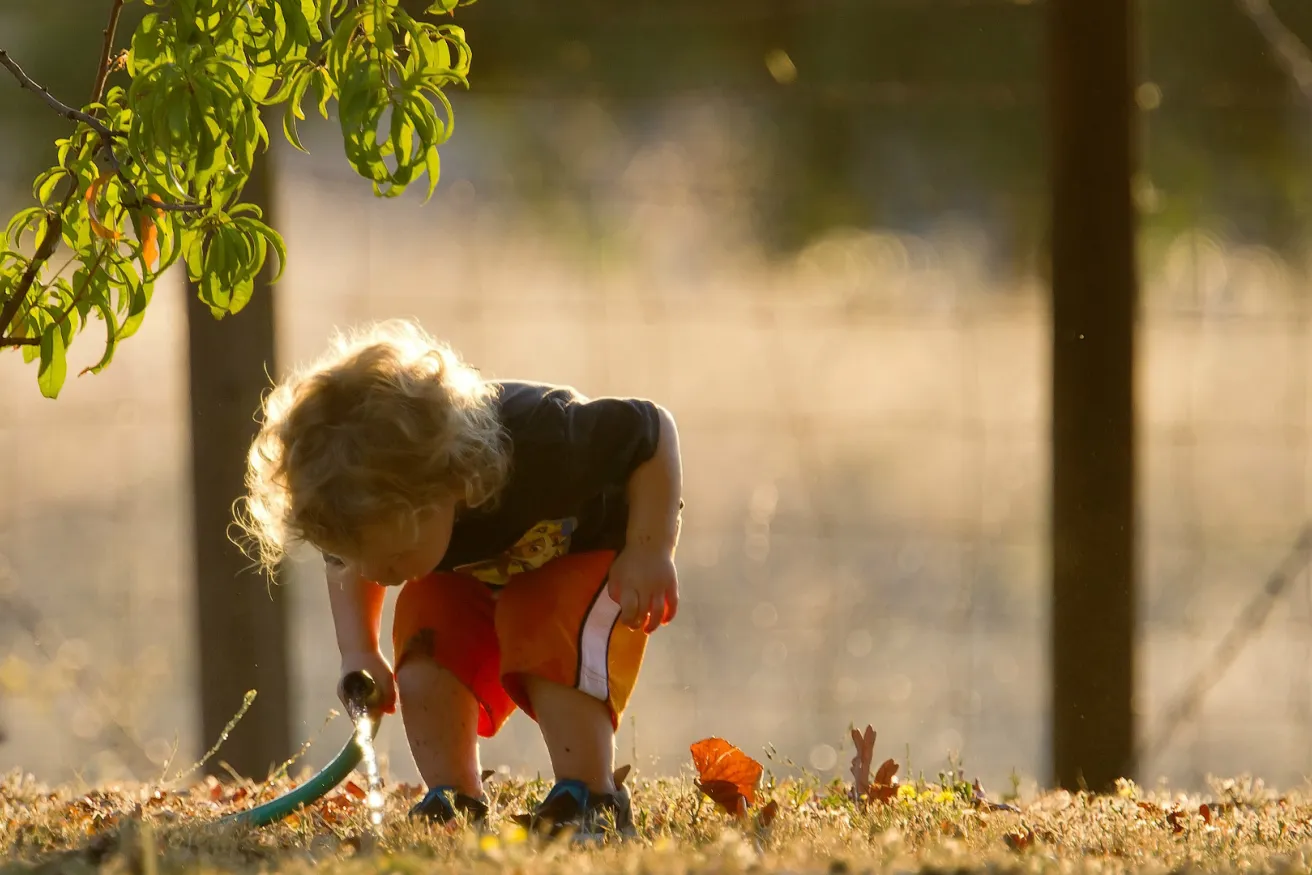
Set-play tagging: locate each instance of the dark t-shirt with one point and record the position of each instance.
(570, 465)
(571, 458)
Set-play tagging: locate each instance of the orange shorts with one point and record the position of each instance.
(556, 622)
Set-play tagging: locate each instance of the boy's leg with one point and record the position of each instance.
(448, 682)
(569, 663)
(441, 725)
(577, 730)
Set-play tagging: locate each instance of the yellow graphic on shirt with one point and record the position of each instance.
(540, 544)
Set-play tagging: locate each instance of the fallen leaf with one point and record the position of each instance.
(766, 815)
(1206, 811)
(883, 787)
(863, 760)
(1019, 840)
(354, 790)
(1174, 819)
(726, 774)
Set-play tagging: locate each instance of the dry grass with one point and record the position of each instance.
(938, 826)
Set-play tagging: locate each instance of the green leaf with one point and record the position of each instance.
(293, 110)
(137, 304)
(433, 167)
(53, 369)
(30, 219)
(325, 88)
(106, 314)
(44, 186)
(193, 252)
(260, 236)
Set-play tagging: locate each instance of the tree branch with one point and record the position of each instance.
(106, 51)
(46, 248)
(86, 286)
(54, 223)
(63, 109)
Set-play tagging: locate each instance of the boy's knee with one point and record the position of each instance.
(418, 649)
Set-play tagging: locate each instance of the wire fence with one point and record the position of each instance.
(865, 435)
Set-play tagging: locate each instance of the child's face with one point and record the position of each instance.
(393, 552)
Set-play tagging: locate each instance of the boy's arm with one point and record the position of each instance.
(655, 492)
(643, 579)
(357, 606)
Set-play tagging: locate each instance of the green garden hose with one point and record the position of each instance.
(361, 699)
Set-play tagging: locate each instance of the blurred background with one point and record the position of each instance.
(815, 231)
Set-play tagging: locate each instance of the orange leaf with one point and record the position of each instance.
(354, 789)
(97, 228)
(149, 237)
(1206, 811)
(726, 774)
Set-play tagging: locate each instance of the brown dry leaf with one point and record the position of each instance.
(1175, 817)
(1020, 839)
(1206, 811)
(863, 789)
(354, 790)
(863, 760)
(884, 789)
(726, 774)
(766, 815)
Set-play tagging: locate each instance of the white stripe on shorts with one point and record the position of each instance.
(594, 646)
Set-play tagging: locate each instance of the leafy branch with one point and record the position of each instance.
(153, 171)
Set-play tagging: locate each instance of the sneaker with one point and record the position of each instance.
(442, 805)
(586, 815)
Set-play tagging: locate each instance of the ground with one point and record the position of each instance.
(945, 825)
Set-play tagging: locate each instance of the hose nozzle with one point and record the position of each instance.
(360, 693)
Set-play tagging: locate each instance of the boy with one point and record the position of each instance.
(532, 532)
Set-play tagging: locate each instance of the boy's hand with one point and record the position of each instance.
(376, 664)
(644, 582)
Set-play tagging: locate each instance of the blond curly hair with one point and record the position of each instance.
(385, 424)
